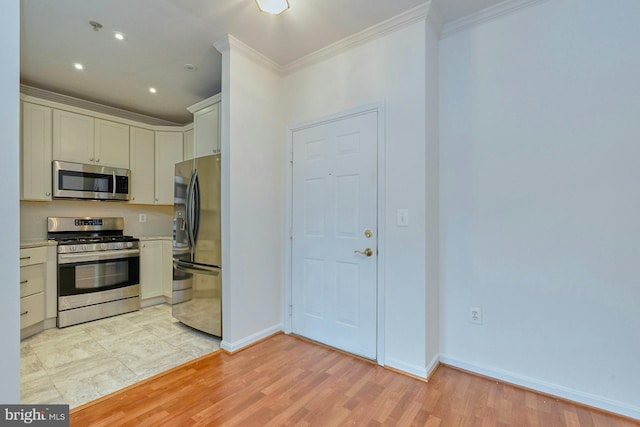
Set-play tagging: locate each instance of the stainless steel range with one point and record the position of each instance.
(98, 268)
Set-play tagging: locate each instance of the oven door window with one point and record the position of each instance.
(96, 276)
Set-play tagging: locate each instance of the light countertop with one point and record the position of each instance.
(144, 238)
(35, 244)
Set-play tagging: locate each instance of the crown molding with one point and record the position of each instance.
(435, 18)
(485, 15)
(230, 43)
(398, 22)
(93, 106)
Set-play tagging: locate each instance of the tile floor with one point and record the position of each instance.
(80, 363)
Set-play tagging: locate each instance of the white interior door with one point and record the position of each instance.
(334, 215)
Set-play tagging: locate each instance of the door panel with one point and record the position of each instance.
(334, 289)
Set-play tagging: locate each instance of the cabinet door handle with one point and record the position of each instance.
(47, 194)
(91, 159)
(25, 312)
(24, 257)
(97, 160)
(23, 282)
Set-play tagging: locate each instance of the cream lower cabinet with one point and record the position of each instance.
(168, 153)
(38, 289)
(33, 278)
(156, 271)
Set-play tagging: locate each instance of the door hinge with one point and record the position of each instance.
(291, 157)
(290, 310)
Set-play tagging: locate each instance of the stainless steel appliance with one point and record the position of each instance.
(80, 181)
(98, 268)
(197, 256)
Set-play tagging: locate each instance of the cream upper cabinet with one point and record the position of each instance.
(142, 155)
(111, 144)
(36, 152)
(168, 153)
(206, 126)
(83, 139)
(72, 137)
(187, 151)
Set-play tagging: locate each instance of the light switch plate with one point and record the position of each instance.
(142, 218)
(403, 218)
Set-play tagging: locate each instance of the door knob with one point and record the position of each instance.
(367, 252)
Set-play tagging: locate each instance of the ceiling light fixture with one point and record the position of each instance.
(274, 7)
(96, 25)
(119, 36)
(152, 90)
(78, 66)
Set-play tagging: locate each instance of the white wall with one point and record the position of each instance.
(253, 198)
(540, 199)
(432, 200)
(390, 69)
(9, 209)
(33, 217)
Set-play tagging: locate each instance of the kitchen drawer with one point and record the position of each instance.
(31, 310)
(32, 256)
(32, 278)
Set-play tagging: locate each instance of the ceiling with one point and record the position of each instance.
(164, 35)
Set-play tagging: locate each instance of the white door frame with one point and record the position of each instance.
(288, 284)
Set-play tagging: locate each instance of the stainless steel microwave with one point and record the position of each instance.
(82, 181)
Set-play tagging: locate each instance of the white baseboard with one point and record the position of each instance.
(418, 371)
(152, 301)
(546, 387)
(251, 339)
(433, 365)
(415, 370)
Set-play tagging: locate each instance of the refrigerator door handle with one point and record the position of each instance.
(189, 212)
(194, 268)
(195, 207)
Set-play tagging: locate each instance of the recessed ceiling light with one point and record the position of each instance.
(78, 66)
(274, 7)
(152, 90)
(190, 67)
(119, 35)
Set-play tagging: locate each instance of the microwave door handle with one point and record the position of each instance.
(113, 192)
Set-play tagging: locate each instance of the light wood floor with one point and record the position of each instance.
(286, 381)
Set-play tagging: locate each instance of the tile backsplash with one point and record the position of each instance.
(33, 217)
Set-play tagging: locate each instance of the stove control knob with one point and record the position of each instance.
(85, 247)
(129, 244)
(103, 246)
(119, 245)
(72, 248)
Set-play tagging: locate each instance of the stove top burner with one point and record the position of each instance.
(95, 239)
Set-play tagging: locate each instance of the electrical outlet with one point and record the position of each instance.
(475, 315)
(142, 218)
(402, 218)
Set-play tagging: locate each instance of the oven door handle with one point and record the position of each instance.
(195, 268)
(97, 256)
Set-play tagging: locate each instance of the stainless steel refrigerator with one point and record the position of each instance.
(197, 285)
